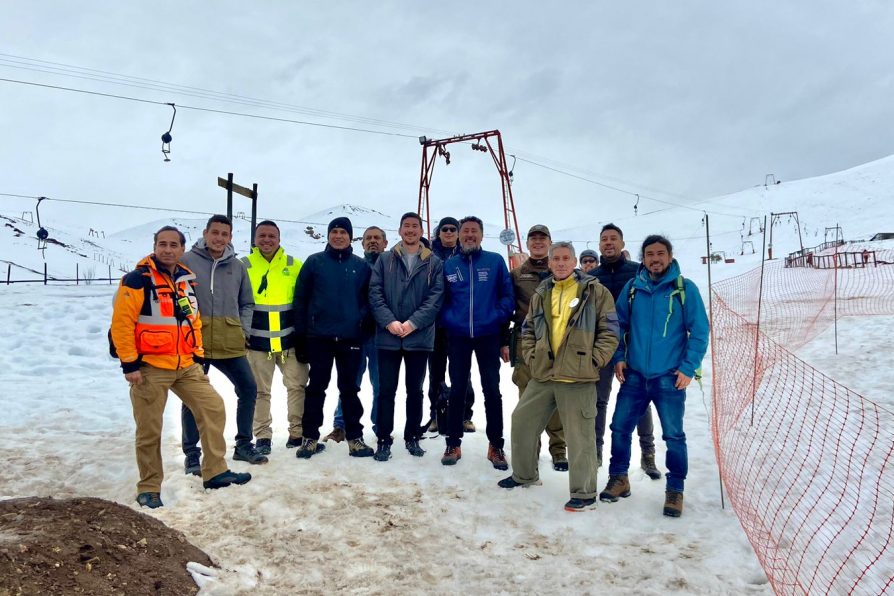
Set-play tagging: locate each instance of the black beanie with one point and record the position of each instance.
(341, 222)
(448, 221)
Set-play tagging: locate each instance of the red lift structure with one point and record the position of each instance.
(487, 142)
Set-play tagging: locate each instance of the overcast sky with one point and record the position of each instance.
(678, 100)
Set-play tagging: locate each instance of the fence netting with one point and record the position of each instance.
(808, 464)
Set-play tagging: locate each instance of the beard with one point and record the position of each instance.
(470, 250)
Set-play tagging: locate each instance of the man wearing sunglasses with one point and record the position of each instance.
(271, 342)
(589, 260)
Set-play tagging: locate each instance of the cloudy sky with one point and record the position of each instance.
(678, 101)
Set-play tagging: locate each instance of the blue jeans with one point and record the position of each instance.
(238, 372)
(369, 353)
(670, 404)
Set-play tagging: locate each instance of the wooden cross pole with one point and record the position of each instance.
(251, 193)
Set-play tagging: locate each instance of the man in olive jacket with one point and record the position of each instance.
(570, 333)
(225, 300)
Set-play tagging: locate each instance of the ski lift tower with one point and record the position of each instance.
(487, 142)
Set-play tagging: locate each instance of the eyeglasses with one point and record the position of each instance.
(448, 229)
(587, 261)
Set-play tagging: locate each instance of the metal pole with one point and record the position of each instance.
(44, 274)
(77, 278)
(230, 196)
(254, 212)
(835, 300)
(770, 254)
(713, 365)
(8, 272)
(757, 328)
(110, 275)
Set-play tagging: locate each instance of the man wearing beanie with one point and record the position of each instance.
(331, 314)
(589, 260)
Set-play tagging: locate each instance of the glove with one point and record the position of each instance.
(205, 364)
(301, 349)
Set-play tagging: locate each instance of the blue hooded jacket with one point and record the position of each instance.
(478, 296)
(645, 345)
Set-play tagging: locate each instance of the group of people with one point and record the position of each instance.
(566, 327)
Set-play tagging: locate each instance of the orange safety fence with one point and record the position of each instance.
(807, 463)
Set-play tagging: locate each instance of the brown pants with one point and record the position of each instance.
(149, 399)
(521, 376)
(294, 377)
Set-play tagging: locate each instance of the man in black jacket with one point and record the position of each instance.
(331, 313)
(614, 272)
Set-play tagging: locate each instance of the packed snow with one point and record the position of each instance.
(409, 525)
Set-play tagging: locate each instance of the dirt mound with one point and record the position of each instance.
(90, 546)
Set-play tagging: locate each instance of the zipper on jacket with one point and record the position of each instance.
(471, 300)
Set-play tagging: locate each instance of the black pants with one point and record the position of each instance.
(487, 353)
(321, 353)
(644, 426)
(437, 370)
(414, 376)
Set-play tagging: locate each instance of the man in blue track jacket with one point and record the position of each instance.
(478, 302)
(664, 338)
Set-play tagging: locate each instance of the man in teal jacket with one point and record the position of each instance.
(664, 338)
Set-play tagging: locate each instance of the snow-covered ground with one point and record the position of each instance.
(409, 525)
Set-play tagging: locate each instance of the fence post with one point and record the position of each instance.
(77, 278)
(44, 274)
(757, 329)
(8, 272)
(835, 299)
(713, 365)
(110, 275)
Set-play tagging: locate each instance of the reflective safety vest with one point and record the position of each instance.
(165, 325)
(273, 283)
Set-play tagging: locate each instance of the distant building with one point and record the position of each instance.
(883, 236)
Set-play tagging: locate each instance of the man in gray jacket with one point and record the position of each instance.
(405, 293)
(225, 300)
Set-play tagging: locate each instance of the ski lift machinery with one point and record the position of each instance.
(490, 142)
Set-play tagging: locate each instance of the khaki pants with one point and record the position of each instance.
(294, 375)
(521, 376)
(576, 403)
(149, 399)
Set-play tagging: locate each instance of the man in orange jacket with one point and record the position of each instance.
(157, 334)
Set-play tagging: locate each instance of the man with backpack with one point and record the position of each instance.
(664, 338)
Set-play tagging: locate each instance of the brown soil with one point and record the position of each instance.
(90, 546)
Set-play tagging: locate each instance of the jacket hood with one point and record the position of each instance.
(201, 249)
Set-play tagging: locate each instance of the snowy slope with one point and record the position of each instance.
(408, 525)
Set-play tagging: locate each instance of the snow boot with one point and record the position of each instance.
(575, 505)
(647, 462)
(150, 500)
(497, 457)
(337, 435)
(226, 479)
(383, 451)
(249, 454)
(264, 446)
(451, 455)
(511, 483)
(293, 442)
(357, 448)
(414, 448)
(192, 464)
(618, 486)
(673, 503)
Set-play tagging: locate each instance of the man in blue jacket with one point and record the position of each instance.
(478, 302)
(405, 294)
(664, 338)
(331, 312)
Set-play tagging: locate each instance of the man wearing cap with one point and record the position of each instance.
(589, 260)
(525, 280)
(614, 272)
(331, 316)
(445, 245)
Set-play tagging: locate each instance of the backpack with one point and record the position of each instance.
(680, 293)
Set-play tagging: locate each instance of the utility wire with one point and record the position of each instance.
(203, 109)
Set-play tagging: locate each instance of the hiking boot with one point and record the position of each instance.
(264, 446)
(647, 462)
(292, 442)
(673, 503)
(249, 454)
(357, 448)
(433, 426)
(497, 457)
(468, 426)
(575, 505)
(226, 479)
(511, 482)
(150, 500)
(337, 435)
(451, 455)
(414, 448)
(560, 464)
(383, 452)
(191, 465)
(618, 486)
(308, 449)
